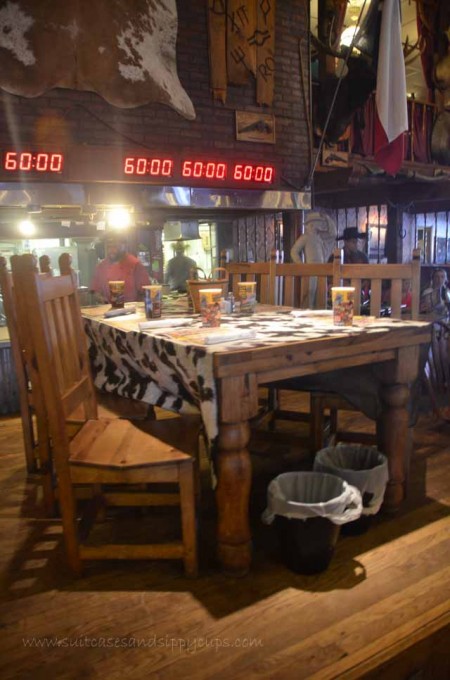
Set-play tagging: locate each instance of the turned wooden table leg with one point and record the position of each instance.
(392, 427)
(232, 496)
(238, 400)
(393, 440)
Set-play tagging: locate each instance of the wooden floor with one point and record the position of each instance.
(381, 610)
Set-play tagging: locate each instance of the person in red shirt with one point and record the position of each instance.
(119, 265)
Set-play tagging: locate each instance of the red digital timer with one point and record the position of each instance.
(155, 167)
(199, 169)
(240, 172)
(28, 161)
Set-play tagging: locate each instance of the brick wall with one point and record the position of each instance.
(83, 118)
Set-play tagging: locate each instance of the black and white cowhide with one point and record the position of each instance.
(125, 51)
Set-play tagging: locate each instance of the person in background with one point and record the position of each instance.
(179, 268)
(406, 301)
(45, 265)
(435, 298)
(406, 294)
(119, 265)
(352, 255)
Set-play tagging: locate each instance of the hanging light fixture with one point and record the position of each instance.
(118, 218)
(26, 228)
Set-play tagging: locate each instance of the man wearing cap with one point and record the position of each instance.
(179, 268)
(351, 253)
(119, 265)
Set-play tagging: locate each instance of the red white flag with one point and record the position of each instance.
(391, 119)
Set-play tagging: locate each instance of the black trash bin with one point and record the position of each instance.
(308, 509)
(363, 467)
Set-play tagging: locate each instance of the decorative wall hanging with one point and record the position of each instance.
(255, 127)
(242, 46)
(332, 157)
(123, 51)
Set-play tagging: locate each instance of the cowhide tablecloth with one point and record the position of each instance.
(166, 368)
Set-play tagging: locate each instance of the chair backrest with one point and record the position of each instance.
(303, 285)
(20, 361)
(392, 275)
(56, 337)
(292, 284)
(306, 285)
(250, 271)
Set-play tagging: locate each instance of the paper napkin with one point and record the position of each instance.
(164, 323)
(119, 312)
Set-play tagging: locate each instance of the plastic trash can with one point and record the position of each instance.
(308, 509)
(363, 467)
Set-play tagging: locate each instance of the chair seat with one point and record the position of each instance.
(122, 444)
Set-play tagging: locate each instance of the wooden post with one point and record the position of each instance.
(393, 248)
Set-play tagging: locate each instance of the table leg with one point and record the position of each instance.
(232, 497)
(393, 438)
(238, 399)
(392, 426)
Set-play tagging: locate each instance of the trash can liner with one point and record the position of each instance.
(361, 466)
(302, 495)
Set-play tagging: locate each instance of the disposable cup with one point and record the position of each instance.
(343, 302)
(247, 296)
(210, 306)
(117, 294)
(152, 301)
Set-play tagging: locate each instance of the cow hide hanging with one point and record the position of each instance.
(122, 49)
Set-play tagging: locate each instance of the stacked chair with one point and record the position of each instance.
(116, 459)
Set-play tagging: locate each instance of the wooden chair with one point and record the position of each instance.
(34, 421)
(105, 452)
(354, 275)
(37, 445)
(26, 411)
(437, 371)
(292, 285)
(113, 404)
(288, 284)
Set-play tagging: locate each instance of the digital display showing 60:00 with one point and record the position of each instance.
(199, 169)
(157, 167)
(27, 161)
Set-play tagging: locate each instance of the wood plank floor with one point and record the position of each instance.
(381, 610)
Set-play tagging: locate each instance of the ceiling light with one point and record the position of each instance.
(27, 228)
(118, 218)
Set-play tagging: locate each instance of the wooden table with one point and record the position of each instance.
(238, 369)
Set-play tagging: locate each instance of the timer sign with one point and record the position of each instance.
(208, 169)
(240, 172)
(155, 167)
(197, 169)
(27, 161)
